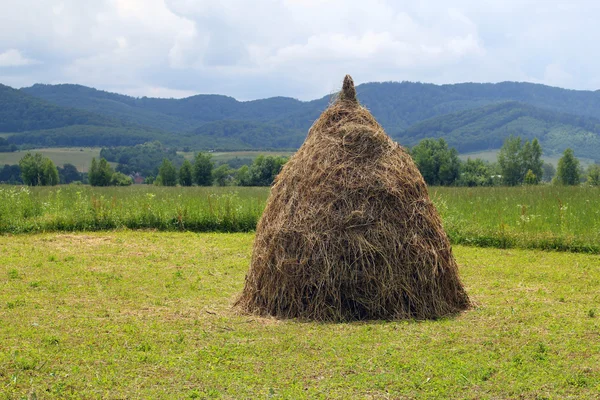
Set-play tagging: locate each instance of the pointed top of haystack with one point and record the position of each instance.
(348, 92)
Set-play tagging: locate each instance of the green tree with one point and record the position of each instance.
(185, 174)
(105, 172)
(203, 167)
(100, 173)
(516, 158)
(438, 163)
(530, 178)
(93, 173)
(511, 162)
(120, 179)
(263, 170)
(38, 170)
(532, 161)
(567, 172)
(31, 169)
(242, 176)
(222, 175)
(11, 174)
(475, 173)
(167, 174)
(593, 175)
(69, 173)
(49, 173)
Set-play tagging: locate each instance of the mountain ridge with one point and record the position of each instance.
(404, 109)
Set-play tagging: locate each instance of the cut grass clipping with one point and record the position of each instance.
(349, 231)
(147, 315)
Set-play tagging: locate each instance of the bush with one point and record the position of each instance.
(120, 179)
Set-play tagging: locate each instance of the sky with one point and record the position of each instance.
(296, 48)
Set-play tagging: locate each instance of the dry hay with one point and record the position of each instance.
(349, 231)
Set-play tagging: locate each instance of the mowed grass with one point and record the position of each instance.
(133, 314)
(80, 157)
(543, 217)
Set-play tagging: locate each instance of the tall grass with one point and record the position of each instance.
(83, 208)
(546, 217)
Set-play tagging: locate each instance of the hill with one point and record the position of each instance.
(471, 116)
(487, 127)
(406, 103)
(21, 112)
(246, 135)
(124, 108)
(177, 115)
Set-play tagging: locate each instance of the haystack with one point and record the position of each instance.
(349, 231)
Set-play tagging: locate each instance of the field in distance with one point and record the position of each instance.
(224, 156)
(133, 314)
(80, 157)
(492, 156)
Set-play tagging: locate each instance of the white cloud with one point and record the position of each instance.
(299, 48)
(555, 75)
(153, 91)
(14, 58)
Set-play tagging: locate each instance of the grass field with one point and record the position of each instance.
(81, 157)
(84, 208)
(545, 217)
(132, 314)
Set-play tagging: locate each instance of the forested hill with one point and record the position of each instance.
(406, 103)
(475, 116)
(486, 128)
(113, 105)
(177, 115)
(21, 112)
(35, 122)
(397, 105)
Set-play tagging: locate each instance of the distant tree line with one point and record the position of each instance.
(6, 147)
(37, 170)
(518, 163)
(144, 159)
(203, 172)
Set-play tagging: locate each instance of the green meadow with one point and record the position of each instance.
(543, 217)
(80, 157)
(138, 314)
(126, 292)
